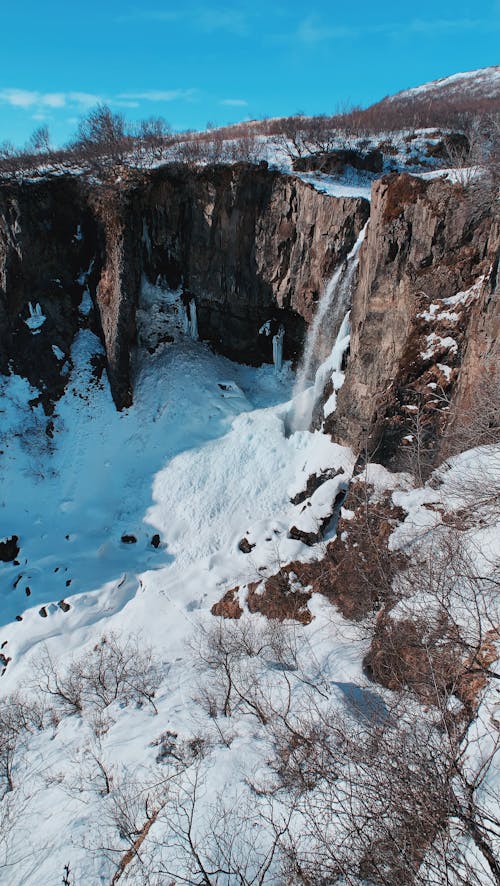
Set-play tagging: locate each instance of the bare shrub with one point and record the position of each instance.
(478, 422)
(115, 669)
(230, 652)
(19, 718)
(441, 642)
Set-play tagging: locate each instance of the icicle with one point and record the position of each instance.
(185, 319)
(36, 318)
(146, 239)
(278, 349)
(193, 320)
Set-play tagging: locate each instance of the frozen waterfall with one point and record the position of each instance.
(193, 320)
(278, 348)
(319, 358)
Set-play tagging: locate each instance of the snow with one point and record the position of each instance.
(327, 184)
(320, 505)
(435, 313)
(437, 344)
(203, 457)
(60, 355)
(446, 370)
(483, 80)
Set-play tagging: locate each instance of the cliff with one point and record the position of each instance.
(247, 243)
(252, 245)
(47, 238)
(424, 322)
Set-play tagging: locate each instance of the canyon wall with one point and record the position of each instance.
(248, 244)
(419, 352)
(251, 245)
(47, 237)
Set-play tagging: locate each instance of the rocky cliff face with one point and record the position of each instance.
(47, 238)
(422, 320)
(251, 245)
(248, 245)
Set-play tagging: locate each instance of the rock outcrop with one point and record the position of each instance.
(251, 245)
(424, 307)
(47, 238)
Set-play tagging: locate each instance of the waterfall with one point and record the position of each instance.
(333, 305)
(193, 320)
(278, 349)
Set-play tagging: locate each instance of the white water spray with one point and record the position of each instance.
(334, 304)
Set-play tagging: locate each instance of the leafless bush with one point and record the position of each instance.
(19, 718)
(478, 423)
(441, 643)
(123, 670)
(230, 651)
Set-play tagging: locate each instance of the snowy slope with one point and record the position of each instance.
(482, 83)
(202, 458)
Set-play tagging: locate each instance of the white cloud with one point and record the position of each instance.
(197, 17)
(27, 98)
(158, 95)
(84, 99)
(76, 102)
(312, 31)
(19, 98)
(54, 100)
(234, 102)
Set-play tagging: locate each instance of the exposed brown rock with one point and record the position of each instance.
(276, 598)
(245, 546)
(228, 606)
(334, 162)
(426, 241)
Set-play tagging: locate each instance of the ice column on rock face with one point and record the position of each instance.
(193, 320)
(185, 319)
(36, 318)
(146, 239)
(334, 302)
(278, 349)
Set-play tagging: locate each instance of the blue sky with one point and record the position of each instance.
(193, 62)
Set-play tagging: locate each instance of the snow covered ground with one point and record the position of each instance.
(202, 458)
